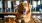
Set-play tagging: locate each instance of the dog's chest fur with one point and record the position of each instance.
(26, 18)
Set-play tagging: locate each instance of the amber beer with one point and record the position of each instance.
(9, 19)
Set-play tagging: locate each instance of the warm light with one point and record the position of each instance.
(5, 22)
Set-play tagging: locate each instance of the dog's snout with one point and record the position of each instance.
(24, 10)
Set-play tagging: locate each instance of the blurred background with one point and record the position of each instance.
(10, 6)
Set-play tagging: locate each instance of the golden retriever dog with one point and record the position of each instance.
(24, 10)
(24, 13)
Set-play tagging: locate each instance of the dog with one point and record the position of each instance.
(24, 13)
(24, 10)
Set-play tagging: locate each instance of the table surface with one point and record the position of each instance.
(16, 12)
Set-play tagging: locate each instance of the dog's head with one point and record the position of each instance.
(24, 7)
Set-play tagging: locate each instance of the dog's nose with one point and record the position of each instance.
(24, 9)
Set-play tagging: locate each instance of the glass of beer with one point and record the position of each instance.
(9, 19)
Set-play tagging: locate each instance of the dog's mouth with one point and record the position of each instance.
(24, 11)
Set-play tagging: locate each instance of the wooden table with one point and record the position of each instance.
(16, 12)
(8, 12)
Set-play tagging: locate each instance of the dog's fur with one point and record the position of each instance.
(21, 7)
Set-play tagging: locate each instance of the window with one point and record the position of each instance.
(9, 4)
(38, 2)
(17, 2)
(34, 4)
(0, 6)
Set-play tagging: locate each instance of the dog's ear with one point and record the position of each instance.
(30, 5)
(20, 5)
